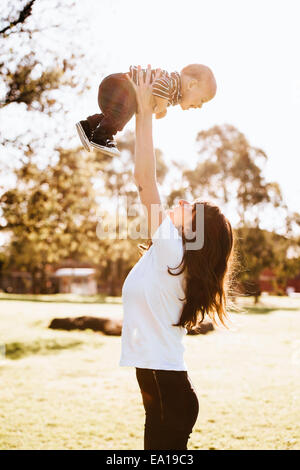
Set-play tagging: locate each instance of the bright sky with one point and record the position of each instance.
(251, 45)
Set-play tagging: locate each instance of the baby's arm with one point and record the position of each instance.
(159, 106)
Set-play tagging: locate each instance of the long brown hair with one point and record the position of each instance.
(209, 271)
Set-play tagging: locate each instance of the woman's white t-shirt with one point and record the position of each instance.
(151, 303)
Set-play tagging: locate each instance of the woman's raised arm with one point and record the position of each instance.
(145, 161)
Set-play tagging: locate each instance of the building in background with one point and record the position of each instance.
(81, 281)
(293, 285)
(68, 277)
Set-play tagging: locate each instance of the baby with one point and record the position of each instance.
(190, 88)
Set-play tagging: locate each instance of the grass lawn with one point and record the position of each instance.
(65, 390)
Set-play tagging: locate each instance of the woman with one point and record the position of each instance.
(169, 290)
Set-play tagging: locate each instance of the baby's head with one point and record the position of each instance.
(198, 85)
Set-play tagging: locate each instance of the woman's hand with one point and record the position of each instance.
(143, 91)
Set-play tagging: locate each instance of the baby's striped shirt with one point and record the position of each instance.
(167, 86)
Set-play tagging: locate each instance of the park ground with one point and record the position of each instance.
(65, 390)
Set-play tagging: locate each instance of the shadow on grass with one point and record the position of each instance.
(17, 350)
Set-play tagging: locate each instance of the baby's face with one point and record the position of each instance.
(194, 94)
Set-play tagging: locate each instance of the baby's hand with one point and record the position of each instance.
(161, 115)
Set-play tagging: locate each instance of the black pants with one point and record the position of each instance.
(171, 407)
(117, 101)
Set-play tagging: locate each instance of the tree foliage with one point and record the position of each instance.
(15, 17)
(52, 214)
(230, 169)
(31, 68)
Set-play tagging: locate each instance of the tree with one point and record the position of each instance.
(51, 215)
(230, 169)
(286, 262)
(30, 68)
(255, 254)
(15, 18)
(259, 249)
(37, 76)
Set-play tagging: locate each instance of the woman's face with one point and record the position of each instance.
(181, 215)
